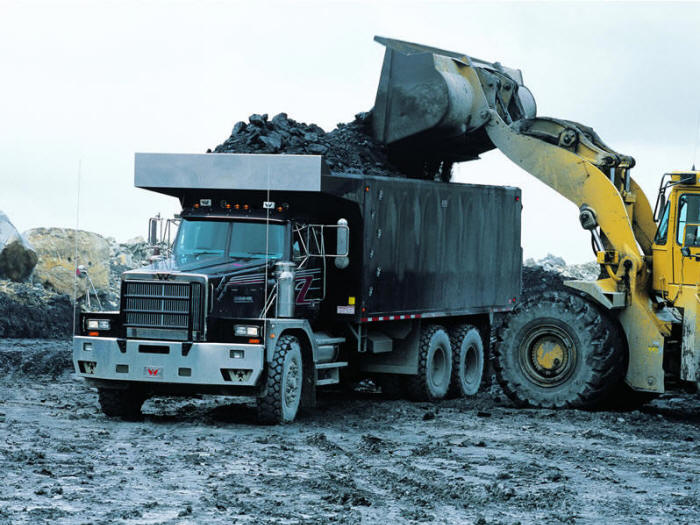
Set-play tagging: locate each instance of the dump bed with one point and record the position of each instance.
(435, 248)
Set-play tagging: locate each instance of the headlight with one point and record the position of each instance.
(246, 330)
(99, 324)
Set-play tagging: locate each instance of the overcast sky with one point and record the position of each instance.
(90, 83)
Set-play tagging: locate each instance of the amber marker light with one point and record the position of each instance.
(93, 334)
(245, 206)
(254, 341)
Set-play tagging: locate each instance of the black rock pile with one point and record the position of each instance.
(349, 148)
(29, 310)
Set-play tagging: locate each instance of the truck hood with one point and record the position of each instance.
(211, 268)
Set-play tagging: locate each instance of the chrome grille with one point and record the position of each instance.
(163, 305)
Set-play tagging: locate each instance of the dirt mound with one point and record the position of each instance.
(35, 357)
(349, 148)
(28, 310)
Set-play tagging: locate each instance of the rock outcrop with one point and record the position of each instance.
(56, 248)
(17, 257)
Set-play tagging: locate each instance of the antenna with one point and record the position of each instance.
(75, 244)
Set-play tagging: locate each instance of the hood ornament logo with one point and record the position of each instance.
(163, 276)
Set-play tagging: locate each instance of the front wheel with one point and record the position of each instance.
(124, 404)
(282, 395)
(558, 350)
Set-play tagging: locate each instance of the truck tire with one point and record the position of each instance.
(467, 361)
(282, 394)
(124, 404)
(434, 365)
(558, 350)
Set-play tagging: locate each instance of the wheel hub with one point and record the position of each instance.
(548, 355)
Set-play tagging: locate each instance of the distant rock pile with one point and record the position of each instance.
(349, 148)
(17, 256)
(550, 273)
(40, 306)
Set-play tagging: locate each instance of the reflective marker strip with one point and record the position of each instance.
(391, 317)
(419, 316)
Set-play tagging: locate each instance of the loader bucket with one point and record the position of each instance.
(432, 98)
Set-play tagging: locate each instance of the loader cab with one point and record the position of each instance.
(676, 248)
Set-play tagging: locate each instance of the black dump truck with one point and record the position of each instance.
(284, 278)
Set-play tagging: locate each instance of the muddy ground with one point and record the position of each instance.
(352, 460)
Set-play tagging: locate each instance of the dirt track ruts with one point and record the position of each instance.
(352, 460)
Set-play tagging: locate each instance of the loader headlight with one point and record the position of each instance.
(99, 324)
(243, 330)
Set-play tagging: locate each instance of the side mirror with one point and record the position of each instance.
(691, 238)
(153, 230)
(342, 244)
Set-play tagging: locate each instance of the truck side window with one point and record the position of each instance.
(662, 231)
(688, 214)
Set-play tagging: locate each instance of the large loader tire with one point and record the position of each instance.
(282, 394)
(467, 361)
(124, 404)
(434, 365)
(558, 350)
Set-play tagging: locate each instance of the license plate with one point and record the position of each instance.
(153, 372)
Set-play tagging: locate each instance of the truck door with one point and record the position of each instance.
(309, 278)
(662, 253)
(687, 269)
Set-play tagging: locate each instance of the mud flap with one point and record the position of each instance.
(690, 351)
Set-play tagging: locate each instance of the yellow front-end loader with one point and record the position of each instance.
(621, 339)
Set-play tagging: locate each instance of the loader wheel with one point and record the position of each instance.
(467, 361)
(558, 350)
(124, 404)
(434, 365)
(282, 394)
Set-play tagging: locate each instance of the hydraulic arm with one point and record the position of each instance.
(439, 106)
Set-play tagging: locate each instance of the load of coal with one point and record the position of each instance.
(349, 148)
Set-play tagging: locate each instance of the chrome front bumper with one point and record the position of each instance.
(168, 361)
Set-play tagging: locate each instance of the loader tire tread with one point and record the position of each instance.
(603, 355)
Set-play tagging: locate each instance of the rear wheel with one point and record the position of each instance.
(467, 361)
(282, 396)
(558, 350)
(125, 404)
(434, 365)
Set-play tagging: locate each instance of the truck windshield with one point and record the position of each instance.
(198, 240)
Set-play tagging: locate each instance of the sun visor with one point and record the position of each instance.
(172, 173)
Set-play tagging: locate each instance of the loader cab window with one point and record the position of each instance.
(688, 220)
(662, 231)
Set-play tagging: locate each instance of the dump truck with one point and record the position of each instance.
(285, 278)
(622, 338)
